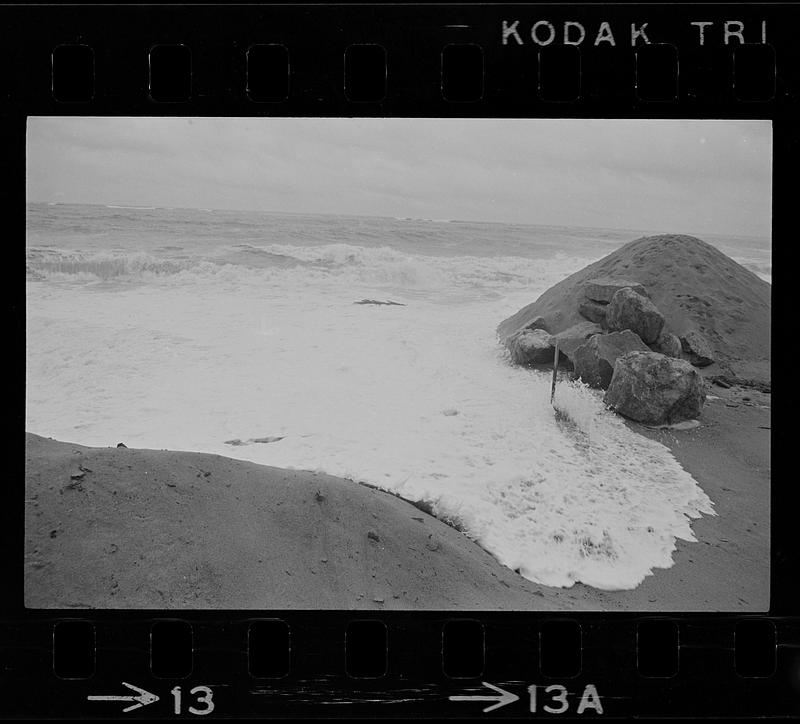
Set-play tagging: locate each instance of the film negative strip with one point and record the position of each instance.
(399, 361)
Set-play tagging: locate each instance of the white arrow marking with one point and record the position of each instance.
(506, 697)
(143, 698)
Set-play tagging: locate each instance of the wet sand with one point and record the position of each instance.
(124, 528)
(728, 568)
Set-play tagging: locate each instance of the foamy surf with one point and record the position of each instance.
(414, 399)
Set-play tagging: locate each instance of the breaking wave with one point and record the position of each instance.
(338, 263)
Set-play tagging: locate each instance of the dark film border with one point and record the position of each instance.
(95, 61)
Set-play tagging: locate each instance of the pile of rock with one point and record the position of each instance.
(671, 295)
(624, 347)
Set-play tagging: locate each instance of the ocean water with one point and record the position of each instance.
(236, 333)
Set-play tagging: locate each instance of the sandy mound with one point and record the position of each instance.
(693, 284)
(121, 528)
(157, 529)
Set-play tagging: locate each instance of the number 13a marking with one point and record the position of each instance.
(204, 696)
(557, 702)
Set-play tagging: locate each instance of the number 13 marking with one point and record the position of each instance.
(204, 696)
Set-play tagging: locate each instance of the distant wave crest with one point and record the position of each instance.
(338, 263)
(760, 269)
(65, 264)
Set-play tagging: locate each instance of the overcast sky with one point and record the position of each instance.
(683, 176)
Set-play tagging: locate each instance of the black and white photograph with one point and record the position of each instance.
(398, 364)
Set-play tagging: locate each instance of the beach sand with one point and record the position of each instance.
(728, 569)
(124, 528)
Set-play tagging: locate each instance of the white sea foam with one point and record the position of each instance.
(416, 399)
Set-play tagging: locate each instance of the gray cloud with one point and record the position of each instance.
(697, 176)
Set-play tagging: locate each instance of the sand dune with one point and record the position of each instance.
(160, 529)
(693, 284)
(125, 528)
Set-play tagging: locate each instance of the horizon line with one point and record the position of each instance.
(143, 207)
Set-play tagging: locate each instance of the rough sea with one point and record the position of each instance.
(236, 332)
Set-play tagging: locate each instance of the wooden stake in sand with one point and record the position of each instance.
(555, 369)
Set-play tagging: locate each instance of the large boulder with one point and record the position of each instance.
(630, 310)
(604, 288)
(594, 360)
(668, 344)
(655, 389)
(593, 311)
(570, 339)
(537, 323)
(531, 346)
(697, 349)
